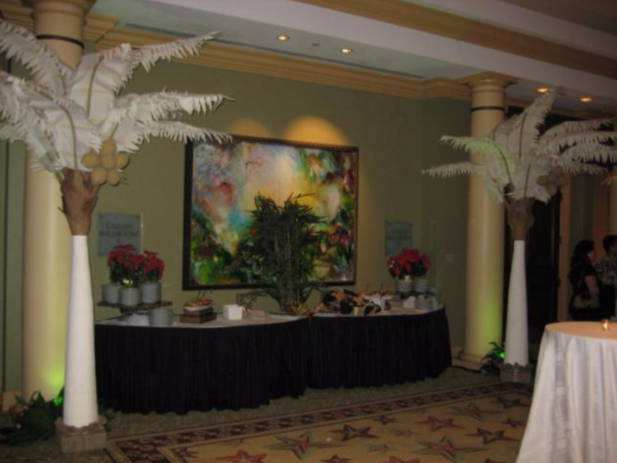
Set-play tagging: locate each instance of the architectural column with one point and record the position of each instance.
(47, 240)
(485, 231)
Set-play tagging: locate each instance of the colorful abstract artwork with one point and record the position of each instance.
(221, 184)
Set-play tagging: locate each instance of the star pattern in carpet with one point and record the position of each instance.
(242, 457)
(510, 403)
(394, 459)
(378, 435)
(447, 448)
(513, 423)
(437, 424)
(473, 411)
(383, 419)
(336, 459)
(302, 445)
(383, 448)
(186, 452)
(488, 436)
(403, 432)
(349, 432)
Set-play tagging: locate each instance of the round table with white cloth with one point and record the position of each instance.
(573, 417)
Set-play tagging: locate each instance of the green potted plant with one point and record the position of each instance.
(282, 247)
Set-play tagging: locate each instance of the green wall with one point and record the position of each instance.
(444, 209)
(396, 138)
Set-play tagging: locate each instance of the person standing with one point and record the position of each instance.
(606, 269)
(585, 302)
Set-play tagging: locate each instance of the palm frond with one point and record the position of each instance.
(591, 152)
(41, 60)
(37, 142)
(496, 158)
(451, 170)
(472, 145)
(495, 186)
(16, 107)
(557, 144)
(130, 135)
(179, 131)
(59, 119)
(576, 168)
(98, 77)
(525, 132)
(573, 127)
(148, 55)
(503, 130)
(525, 183)
(157, 106)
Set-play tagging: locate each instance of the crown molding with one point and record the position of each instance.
(469, 30)
(275, 65)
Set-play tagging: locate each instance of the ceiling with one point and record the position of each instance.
(318, 31)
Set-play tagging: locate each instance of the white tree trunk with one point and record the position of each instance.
(80, 403)
(516, 324)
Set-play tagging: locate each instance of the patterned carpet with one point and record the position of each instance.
(479, 424)
(126, 425)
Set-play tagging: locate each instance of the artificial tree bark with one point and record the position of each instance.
(79, 197)
(520, 217)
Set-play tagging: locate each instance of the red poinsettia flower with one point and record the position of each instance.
(409, 262)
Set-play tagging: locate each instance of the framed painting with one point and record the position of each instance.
(221, 184)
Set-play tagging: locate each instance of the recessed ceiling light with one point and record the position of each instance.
(346, 50)
(586, 99)
(283, 38)
(542, 89)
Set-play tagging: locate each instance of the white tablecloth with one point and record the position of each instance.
(573, 417)
(219, 322)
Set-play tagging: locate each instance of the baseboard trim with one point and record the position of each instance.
(462, 360)
(8, 399)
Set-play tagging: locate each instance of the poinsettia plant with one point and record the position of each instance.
(125, 265)
(409, 263)
(129, 268)
(152, 267)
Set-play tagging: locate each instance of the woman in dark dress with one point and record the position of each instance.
(585, 302)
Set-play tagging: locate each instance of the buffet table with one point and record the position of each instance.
(217, 365)
(378, 350)
(246, 363)
(573, 416)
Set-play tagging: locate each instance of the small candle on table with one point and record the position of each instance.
(606, 324)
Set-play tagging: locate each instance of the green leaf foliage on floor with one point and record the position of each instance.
(492, 361)
(34, 420)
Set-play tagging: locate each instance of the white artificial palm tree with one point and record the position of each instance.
(77, 127)
(519, 165)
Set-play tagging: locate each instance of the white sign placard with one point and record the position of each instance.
(115, 229)
(399, 235)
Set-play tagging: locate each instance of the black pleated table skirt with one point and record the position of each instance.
(143, 369)
(177, 369)
(379, 350)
